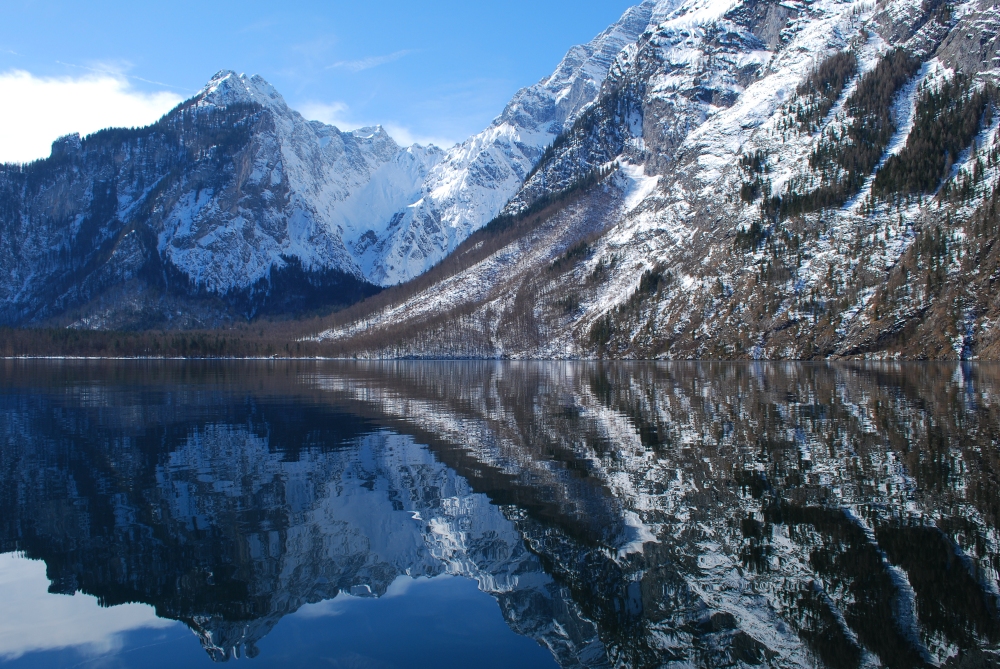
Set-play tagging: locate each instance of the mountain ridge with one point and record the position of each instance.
(297, 215)
(746, 179)
(477, 177)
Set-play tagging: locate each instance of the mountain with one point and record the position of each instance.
(233, 205)
(221, 208)
(756, 179)
(474, 181)
(707, 178)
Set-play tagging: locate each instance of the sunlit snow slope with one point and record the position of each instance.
(477, 177)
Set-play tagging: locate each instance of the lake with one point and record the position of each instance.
(498, 514)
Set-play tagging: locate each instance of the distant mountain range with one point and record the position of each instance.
(748, 179)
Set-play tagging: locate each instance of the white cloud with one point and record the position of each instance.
(38, 110)
(331, 113)
(40, 621)
(370, 62)
(406, 137)
(343, 602)
(338, 114)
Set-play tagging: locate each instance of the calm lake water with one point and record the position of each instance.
(498, 515)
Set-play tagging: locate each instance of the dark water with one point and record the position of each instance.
(498, 515)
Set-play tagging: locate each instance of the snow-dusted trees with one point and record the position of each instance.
(947, 120)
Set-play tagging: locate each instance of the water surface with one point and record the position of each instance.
(498, 514)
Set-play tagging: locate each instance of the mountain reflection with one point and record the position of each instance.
(621, 514)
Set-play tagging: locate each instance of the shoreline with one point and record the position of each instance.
(84, 358)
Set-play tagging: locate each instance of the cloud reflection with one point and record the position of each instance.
(30, 617)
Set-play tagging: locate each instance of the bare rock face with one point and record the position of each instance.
(657, 91)
(974, 44)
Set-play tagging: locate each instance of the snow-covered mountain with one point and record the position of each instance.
(730, 178)
(476, 178)
(756, 179)
(224, 207)
(234, 204)
(331, 182)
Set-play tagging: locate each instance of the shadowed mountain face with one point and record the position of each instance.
(620, 515)
(193, 221)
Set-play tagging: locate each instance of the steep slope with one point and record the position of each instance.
(332, 177)
(742, 155)
(476, 178)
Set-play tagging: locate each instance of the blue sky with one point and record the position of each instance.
(435, 71)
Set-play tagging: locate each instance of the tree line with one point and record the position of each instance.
(845, 159)
(946, 122)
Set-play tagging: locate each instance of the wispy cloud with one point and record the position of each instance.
(83, 623)
(37, 110)
(405, 136)
(315, 51)
(119, 71)
(331, 113)
(370, 62)
(257, 26)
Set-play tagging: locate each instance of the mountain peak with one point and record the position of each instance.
(577, 79)
(369, 132)
(228, 88)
